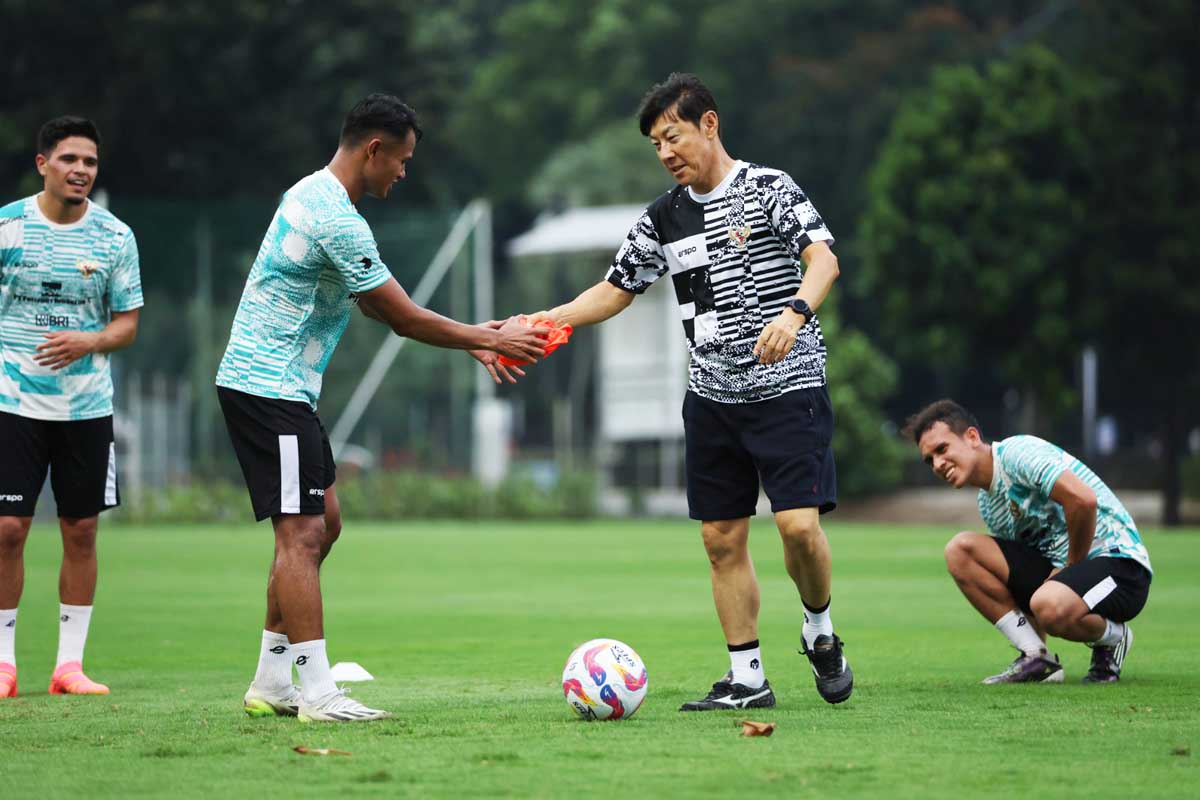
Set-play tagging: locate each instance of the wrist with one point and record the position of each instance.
(800, 308)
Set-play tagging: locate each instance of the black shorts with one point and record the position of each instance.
(1114, 588)
(786, 441)
(80, 454)
(283, 450)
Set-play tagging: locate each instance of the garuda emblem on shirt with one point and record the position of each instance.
(740, 236)
(86, 268)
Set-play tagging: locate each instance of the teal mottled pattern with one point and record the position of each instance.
(1018, 504)
(60, 277)
(318, 253)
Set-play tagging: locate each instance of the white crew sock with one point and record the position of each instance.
(73, 624)
(1113, 633)
(746, 664)
(312, 663)
(274, 662)
(1016, 627)
(816, 623)
(8, 636)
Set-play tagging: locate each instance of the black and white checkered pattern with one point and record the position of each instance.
(734, 259)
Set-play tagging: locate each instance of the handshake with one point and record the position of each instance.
(521, 340)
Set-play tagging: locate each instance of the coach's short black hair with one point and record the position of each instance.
(683, 90)
(61, 128)
(957, 419)
(379, 112)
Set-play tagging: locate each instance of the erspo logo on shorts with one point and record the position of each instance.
(11, 498)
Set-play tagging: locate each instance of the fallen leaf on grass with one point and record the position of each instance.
(321, 751)
(751, 728)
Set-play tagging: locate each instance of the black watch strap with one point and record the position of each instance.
(801, 307)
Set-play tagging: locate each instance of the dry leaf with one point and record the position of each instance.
(751, 728)
(320, 751)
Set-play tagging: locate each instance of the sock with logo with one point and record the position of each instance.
(1016, 627)
(1113, 633)
(274, 662)
(745, 660)
(73, 622)
(816, 623)
(312, 664)
(8, 636)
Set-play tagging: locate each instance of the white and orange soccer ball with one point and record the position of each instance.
(604, 679)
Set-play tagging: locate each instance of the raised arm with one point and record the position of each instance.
(596, 304)
(390, 304)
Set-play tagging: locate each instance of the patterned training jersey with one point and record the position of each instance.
(317, 255)
(734, 259)
(1018, 504)
(61, 278)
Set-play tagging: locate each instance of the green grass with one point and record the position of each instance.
(466, 627)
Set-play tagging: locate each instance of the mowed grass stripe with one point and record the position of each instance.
(466, 627)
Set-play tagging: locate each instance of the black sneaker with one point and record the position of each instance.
(726, 694)
(834, 679)
(1107, 661)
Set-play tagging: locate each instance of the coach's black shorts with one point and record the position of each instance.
(283, 450)
(786, 441)
(80, 454)
(1114, 588)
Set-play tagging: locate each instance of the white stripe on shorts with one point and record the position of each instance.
(289, 474)
(1100, 591)
(110, 480)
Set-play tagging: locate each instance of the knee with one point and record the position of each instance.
(333, 529)
(79, 536)
(804, 534)
(959, 553)
(1050, 611)
(13, 532)
(724, 543)
(302, 539)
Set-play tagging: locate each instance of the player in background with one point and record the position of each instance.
(317, 260)
(70, 291)
(749, 260)
(1064, 556)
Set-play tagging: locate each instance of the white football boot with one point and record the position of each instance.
(337, 707)
(284, 702)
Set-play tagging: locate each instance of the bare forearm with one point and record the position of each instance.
(600, 302)
(821, 270)
(1081, 531)
(432, 328)
(116, 335)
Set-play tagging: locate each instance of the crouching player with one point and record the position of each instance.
(1064, 557)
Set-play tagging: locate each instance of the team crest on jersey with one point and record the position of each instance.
(86, 268)
(740, 236)
(1014, 509)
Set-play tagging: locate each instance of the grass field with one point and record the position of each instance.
(466, 627)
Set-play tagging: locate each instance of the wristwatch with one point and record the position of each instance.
(802, 308)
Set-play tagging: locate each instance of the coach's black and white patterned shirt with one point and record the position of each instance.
(734, 259)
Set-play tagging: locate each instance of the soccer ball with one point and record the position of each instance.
(604, 679)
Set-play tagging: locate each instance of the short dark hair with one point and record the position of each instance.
(957, 419)
(61, 128)
(380, 112)
(683, 90)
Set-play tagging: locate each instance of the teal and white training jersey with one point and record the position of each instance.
(316, 255)
(60, 278)
(1018, 504)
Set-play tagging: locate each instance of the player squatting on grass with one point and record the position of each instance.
(70, 294)
(749, 259)
(1064, 557)
(317, 260)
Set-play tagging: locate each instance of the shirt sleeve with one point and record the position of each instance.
(352, 251)
(793, 217)
(640, 261)
(125, 278)
(1033, 463)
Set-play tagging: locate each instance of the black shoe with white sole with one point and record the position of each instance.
(726, 694)
(834, 679)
